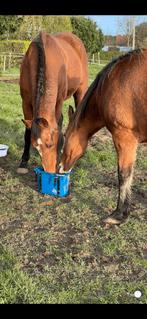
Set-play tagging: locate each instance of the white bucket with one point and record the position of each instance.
(3, 150)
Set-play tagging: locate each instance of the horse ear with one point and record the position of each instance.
(70, 112)
(40, 121)
(27, 123)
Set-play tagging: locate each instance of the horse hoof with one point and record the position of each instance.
(112, 221)
(22, 170)
(115, 218)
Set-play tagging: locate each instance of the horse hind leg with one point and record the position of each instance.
(126, 146)
(22, 169)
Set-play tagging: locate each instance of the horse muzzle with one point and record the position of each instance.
(62, 169)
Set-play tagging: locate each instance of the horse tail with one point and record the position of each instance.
(39, 41)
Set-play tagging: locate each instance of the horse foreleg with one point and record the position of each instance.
(126, 145)
(22, 169)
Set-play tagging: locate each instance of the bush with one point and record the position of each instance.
(105, 56)
(109, 55)
(14, 46)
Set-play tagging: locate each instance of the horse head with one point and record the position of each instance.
(44, 138)
(74, 145)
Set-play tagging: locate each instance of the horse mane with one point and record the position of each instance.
(99, 81)
(41, 70)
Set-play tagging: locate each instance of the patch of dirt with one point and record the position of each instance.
(7, 80)
(102, 136)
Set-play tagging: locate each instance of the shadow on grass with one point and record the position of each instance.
(11, 162)
(106, 178)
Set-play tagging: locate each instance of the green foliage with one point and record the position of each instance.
(30, 27)
(9, 24)
(88, 32)
(53, 24)
(141, 35)
(109, 55)
(14, 46)
(27, 27)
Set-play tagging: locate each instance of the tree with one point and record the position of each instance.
(110, 40)
(121, 40)
(52, 24)
(141, 35)
(88, 32)
(127, 26)
(30, 27)
(9, 24)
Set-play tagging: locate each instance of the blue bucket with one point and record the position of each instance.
(51, 183)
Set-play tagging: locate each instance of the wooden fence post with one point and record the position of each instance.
(9, 63)
(98, 56)
(4, 63)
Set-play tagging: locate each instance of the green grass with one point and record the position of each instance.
(15, 286)
(93, 70)
(14, 71)
(57, 251)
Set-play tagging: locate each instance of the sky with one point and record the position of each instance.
(109, 23)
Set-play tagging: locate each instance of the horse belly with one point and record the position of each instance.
(73, 85)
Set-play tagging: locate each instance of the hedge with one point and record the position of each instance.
(14, 46)
(105, 56)
(110, 55)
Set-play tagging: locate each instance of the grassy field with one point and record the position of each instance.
(58, 251)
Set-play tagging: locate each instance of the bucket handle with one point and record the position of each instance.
(57, 182)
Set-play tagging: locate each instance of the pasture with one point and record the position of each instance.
(58, 251)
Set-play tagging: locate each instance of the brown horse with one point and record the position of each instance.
(117, 100)
(54, 68)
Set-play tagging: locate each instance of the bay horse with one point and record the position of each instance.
(54, 68)
(117, 100)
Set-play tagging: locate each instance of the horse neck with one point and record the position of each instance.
(89, 122)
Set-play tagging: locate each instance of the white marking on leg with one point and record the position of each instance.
(125, 189)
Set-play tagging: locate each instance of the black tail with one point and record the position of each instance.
(41, 69)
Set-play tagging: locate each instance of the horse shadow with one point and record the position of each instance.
(11, 162)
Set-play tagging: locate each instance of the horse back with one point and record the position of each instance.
(75, 43)
(123, 96)
(75, 59)
(53, 68)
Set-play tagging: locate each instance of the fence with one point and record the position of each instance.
(96, 59)
(11, 60)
